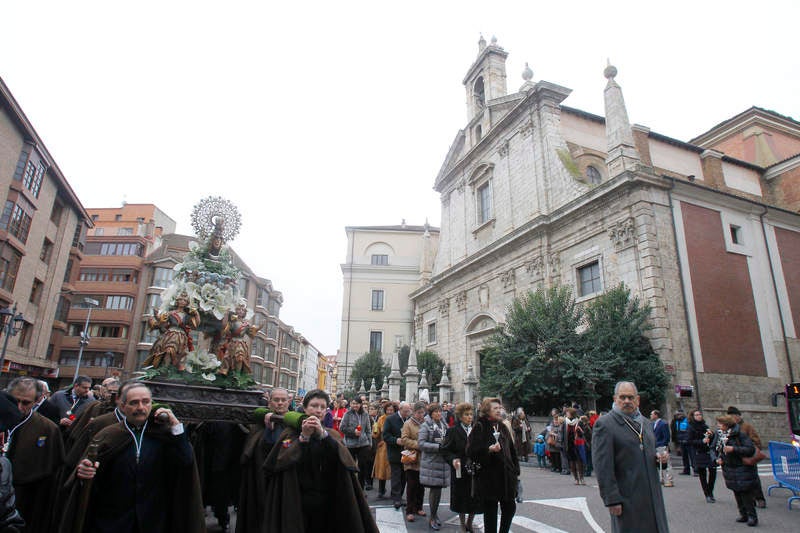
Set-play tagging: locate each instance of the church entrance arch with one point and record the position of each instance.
(478, 332)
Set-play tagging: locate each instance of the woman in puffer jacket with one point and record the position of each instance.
(434, 472)
(729, 447)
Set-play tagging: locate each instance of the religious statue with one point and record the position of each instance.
(237, 335)
(175, 342)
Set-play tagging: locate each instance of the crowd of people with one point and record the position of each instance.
(108, 459)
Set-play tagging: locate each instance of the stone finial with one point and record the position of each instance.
(372, 387)
(412, 361)
(445, 381)
(481, 44)
(423, 382)
(610, 72)
(470, 378)
(527, 73)
(494, 40)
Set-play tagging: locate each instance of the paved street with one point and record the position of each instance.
(554, 504)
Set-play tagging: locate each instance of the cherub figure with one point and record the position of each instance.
(237, 335)
(175, 342)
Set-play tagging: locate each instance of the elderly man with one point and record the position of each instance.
(73, 401)
(259, 443)
(392, 433)
(36, 452)
(624, 452)
(144, 478)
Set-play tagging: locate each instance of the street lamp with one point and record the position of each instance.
(91, 304)
(10, 323)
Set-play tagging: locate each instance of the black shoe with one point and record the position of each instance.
(761, 504)
(381, 496)
(397, 505)
(368, 487)
(752, 521)
(742, 519)
(686, 473)
(710, 499)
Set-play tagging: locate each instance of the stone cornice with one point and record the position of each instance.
(784, 166)
(527, 230)
(544, 90)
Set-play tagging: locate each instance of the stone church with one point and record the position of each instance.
(535, 193)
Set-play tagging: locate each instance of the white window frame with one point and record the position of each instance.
(373, 292)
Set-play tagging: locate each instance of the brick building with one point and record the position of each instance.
(42, 229)
(535, 193)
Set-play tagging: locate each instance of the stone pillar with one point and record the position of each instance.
(385, 388)
(470, 384)
(363, 389)
(373, 392)
(412, 375)
(394, 379)
(444, 386)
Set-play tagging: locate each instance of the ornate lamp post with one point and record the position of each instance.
(10, 324)
(91, 304)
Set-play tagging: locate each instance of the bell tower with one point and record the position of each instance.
(486, 78)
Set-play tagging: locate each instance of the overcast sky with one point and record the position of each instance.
(311, 116)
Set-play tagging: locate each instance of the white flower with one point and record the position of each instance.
(209, 377)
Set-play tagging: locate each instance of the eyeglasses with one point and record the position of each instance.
(624, 397)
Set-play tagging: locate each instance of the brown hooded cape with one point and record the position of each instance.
(187, 514)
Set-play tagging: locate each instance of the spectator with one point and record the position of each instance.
(455, 448)
(490, 445)
(730, 445)
(381, 469)
(415, 493)
(751, 432)
(434, 472)
(522, 433)
(392, 436)
(357, 430)
(679, 428)
(662, 434)
(574, 444)
(553, 440)
(699, 438)
(540, 449)
(71, 402)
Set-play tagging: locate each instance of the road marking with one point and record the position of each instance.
(390, 520)
(573, 504)
(533, 525)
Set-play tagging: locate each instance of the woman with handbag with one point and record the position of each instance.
(574, 442)
(409, 438)
(381, 469)
(730, 446)
(522, 433)
(699, 439)
(490, 446)
(461, 467)
(434, 473)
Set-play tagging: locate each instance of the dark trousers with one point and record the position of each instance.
(398, 482)
(686, 455)
(708, 477)
(361, 456)
(415, 492)
(745, 501)
(555, 459)
(507, 510)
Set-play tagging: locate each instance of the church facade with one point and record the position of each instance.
(535, 193)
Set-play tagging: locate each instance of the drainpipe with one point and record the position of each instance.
(683, 289)
(777, 299)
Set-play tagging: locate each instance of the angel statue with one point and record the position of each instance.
(175, 342)
(237, 335)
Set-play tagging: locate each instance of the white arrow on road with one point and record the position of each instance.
(573, 504)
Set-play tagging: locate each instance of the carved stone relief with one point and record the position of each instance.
(508, 279)
(535, 268)
(444, 307)
(622, 234)
(483, 296)
(461, 301)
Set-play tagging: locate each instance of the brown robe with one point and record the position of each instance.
(187, 514)
(348, 512)
(36, 455)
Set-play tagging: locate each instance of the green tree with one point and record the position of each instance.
(533, 361)
(430, 364)
(369, 366)
(615, 339)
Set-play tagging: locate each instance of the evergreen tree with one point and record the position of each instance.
(368, 367)
(615, 339)
(430, 364)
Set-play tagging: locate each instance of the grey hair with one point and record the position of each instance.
(24, 383)
(277, 389)
(123, 395)
(621, 383)
(43, 385)
(400, 406)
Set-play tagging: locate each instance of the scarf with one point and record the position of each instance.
(572, 421)
(634, 417)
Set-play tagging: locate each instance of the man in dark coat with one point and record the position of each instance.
(36, 452)
(71, 402)
(750, 431)
(257, 446)
(625, 463)
(392, 429)
(43, 404)
(311, 480)
(661, 432)
(145, 477)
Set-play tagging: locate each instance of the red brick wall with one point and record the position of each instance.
(784, 190)
(723, 297)
(789, 250)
